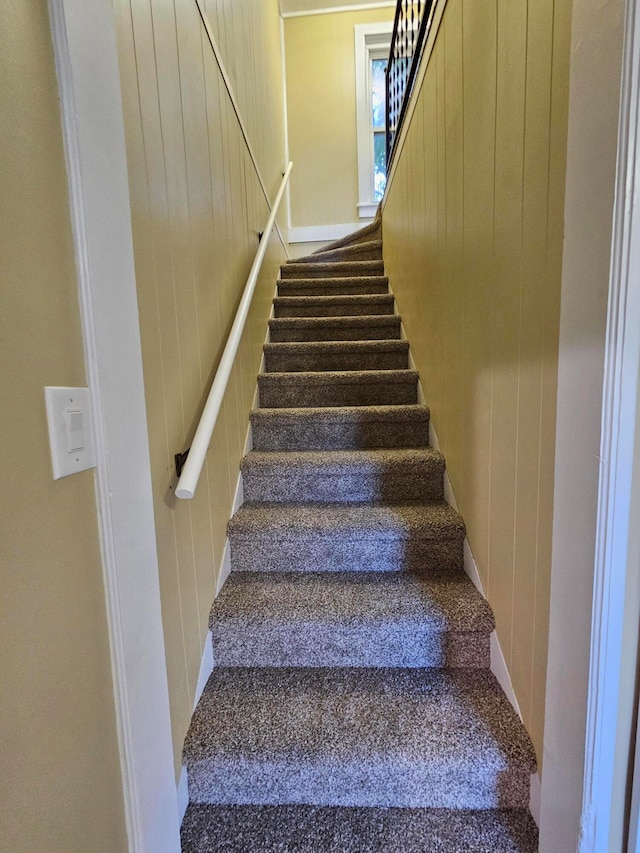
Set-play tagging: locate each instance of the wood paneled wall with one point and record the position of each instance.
(197, 207)
(473, 248)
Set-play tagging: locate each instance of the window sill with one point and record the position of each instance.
(367, 210)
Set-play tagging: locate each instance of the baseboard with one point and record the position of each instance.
(183, 793)
(325, 233)
(498, 662)
(206, 662)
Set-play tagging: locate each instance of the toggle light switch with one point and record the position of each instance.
(70, 434)
(75, 430)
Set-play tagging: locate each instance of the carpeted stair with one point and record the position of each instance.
(351, 707)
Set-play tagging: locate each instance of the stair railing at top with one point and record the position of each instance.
(190, 470)
(410, 29)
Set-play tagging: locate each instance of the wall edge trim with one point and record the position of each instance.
(94, 144)
(619, 488)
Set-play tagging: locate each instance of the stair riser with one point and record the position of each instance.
(339, 270)
(414, 484)
(393, 644)
(341, 332)
(278, 392)
(348, 309)
(319, 435)
(334, 287)
(283, 362)
(356, 252)
(339, 783)
(238, 829)
(342, 552)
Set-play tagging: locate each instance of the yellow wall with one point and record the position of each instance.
(197, 208)
(61, 787)
(321, 107)
(473, 247)
(248, 35)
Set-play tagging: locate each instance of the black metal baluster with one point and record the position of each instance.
(410, 29)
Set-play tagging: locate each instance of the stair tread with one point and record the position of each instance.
(340, 377)
(334, 305)
(372, 249)
(327, 268)
(337, 299)
(349, 320)
(408, 411)
(444, 603)
(443, 720)
(339, 829)
(329, 254)
(429, 519)
(332, 280)
(339, 460)
(340, 427)
(332, 346)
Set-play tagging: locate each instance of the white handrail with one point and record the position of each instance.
(188, 481)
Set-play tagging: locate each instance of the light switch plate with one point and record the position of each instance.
(70, 430)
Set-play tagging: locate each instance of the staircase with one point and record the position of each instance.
(351, 707)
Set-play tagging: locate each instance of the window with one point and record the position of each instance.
(372, 49)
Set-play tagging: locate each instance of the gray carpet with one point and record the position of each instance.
(383, 537)
(310, 269)
(336, 355)
(338, 388)
(365, 250)
(333, 286)
(340, 428)
(351, 619)
(314, 829)
(371, 328)
(414, 738)
(345, 476)
(351, 706)
(333, 306)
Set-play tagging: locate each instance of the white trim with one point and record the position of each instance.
(367, 211)
(91, 107)
(182, 793)
(617, 537)
(323, 233)
(332, 10)
(367, 39)
(634, 811)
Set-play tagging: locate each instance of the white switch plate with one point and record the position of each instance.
(70, 426)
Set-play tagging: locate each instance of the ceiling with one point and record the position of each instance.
(310, 7)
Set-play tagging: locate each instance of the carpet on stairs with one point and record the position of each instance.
(351, 707)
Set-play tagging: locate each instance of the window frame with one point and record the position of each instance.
(371, 40)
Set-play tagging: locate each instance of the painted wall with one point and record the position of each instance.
(61, 788)
(197, 208)
(321, 108)
(473, 248)
(248, 34)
